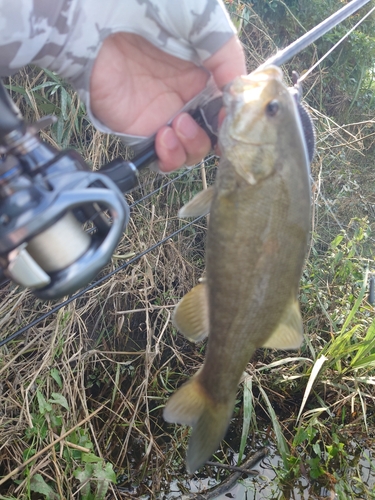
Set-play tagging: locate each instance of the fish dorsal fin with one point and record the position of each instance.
(199, 205)
(289, 333)
(191, 314)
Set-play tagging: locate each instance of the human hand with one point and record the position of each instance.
(136, 89)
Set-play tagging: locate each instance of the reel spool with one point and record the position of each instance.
(48, 199)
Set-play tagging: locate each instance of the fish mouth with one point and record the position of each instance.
(254, 104)
(249, 96)
(248, 88)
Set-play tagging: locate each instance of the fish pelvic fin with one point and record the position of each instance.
(289, 333)
(190, 316)
(199, 205)
(192, 405)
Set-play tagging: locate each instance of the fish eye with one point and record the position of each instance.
(272, 107)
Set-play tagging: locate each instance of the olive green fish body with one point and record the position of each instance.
(257, 259)
(256, 245)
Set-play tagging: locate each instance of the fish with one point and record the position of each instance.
(257, 240)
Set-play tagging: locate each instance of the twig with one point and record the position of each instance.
(231, 480)
(203, 175)
(233, 468)
(74, 446)
(51, 445)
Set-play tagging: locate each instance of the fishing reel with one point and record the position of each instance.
(59, 221)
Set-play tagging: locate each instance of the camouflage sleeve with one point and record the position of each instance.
(66, 35)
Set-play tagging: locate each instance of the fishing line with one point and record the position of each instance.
(148, 195)
(302, 77)
(97, 282)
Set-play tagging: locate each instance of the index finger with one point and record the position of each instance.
(227, 63)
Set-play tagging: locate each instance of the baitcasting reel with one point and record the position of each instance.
(59, 222)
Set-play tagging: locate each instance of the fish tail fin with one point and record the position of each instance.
(191, 405)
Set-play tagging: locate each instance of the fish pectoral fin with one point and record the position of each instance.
(289, 333)
(191, 405)
(190, 316)
(199, 205)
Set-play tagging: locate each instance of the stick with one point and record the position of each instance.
(232, 479)
(232, 468)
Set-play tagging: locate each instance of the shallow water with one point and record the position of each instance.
(356, 482)
(265, 485)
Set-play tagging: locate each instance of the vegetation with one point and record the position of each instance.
(82, 390)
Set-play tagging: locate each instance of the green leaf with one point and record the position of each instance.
(59, 399)
(38, 485)
(84, 440)
(47, 108)
(301, 436)
(16, 88)
(55, 374)
(56, 421)
(364, 362)
(84, 476)
(90, 458)
(316, 470)
(43, 85)
(53, 76)
(357, 304)
(59, 129)
(104, 477)
(366, 346)
(29, 452)
(336, 242)
(316, 448)
(44, 407)
(106, 474)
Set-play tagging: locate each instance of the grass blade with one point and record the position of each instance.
(366, 346)
(247, 412)
(314, 373)
(356, 304)
(282, 444)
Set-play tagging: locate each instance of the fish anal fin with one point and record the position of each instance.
(191, 405)
(289, 333)
(190, 316)
(187, 404)
(199, 205)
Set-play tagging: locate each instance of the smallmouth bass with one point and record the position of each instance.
(257, 240)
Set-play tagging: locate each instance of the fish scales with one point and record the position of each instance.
(256, 245)
(246, 260)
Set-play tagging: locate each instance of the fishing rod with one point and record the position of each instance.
(206, 113)
(283, 56)
(47, 195)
